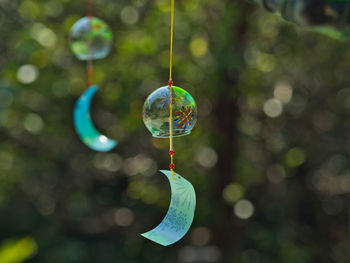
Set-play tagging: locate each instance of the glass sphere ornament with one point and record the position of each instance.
(90, 38)
(156, 112)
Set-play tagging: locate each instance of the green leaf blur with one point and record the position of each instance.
(268, 157)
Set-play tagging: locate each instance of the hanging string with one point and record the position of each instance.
(89, 8)
(89, 64)
(89, 68)
(170, 83)
(171, 39)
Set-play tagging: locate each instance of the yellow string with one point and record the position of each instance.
(171, 90)
(171, 39)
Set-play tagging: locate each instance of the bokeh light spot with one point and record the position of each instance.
(199, 46)
(244, 209)
(200, 236)
(33, 123)
(276, 173)
(265, 62)
(45, 36)
(295, 157)
(53, 8)
(273, 108)
(29, 9)
(111, 162)
(129, 15)
(207, 157)
(123, 217)
(27, 74)
(233, 192)
(283, 92)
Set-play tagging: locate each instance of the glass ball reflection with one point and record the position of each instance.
(90, 38)
(156, 112)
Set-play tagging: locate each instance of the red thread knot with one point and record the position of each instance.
(170, 83)
(171, 152)
(172, 166)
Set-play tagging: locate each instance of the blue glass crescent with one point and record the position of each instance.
(180, 215)
(84, 126)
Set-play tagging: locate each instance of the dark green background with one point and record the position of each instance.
(60, 202)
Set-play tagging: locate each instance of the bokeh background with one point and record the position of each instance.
(269, 156)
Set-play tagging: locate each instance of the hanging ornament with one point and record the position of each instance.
(84, 126)
(169, 112)
(156, 112)
(90, 38)
(180, 215)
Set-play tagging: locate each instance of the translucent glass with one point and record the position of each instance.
(90, 38)
(85, 127)
(180, 214)
(156, 112)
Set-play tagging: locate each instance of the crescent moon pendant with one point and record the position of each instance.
(84, 126)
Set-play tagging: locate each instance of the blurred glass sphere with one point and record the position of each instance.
(90, 38)
(156, 112)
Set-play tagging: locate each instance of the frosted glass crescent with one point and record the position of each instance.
(84, 126)
(180, 215)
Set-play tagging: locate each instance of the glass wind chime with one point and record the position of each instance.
(167, 113)
(90, 39)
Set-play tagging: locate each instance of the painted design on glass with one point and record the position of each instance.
(165, 100)
(90, 38)
(180, 215)
(156, 112)
(84, 126)
(184, 117)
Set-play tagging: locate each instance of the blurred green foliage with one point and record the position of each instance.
(17, 251)
(269, 156)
